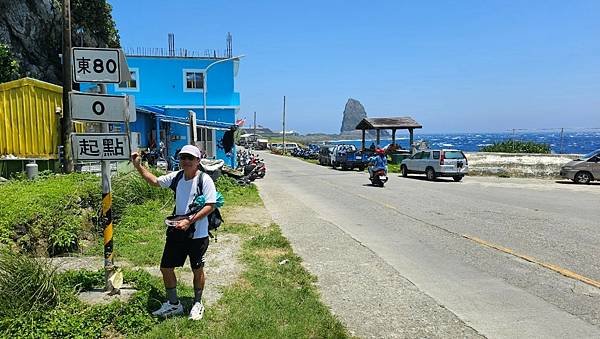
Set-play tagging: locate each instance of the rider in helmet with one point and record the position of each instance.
(379, 161)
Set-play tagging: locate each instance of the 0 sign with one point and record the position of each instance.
(97, 107)
(96, 65)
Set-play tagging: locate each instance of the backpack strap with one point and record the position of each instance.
(215, 210)
(175, 181)
(173, 187)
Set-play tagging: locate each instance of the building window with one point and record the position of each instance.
(131, 85)
(193, 80)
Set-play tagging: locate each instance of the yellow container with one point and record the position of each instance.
(29, 124)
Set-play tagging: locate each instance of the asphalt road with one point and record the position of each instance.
(492, 257)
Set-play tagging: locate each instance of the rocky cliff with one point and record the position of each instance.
(354, 112)
(33, 30)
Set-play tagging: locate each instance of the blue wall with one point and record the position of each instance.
(161, 82)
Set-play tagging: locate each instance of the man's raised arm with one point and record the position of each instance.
(136, 159)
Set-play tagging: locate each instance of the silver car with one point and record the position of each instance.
(584, 169)
(437, 163)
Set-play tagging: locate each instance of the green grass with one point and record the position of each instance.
(48, 215)
(393, 168)
(268, 300)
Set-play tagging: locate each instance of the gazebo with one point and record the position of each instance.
(393, 123)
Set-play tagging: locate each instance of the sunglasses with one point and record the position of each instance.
(186, 157)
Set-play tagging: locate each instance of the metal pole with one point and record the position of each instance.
(203, 130)
(561, 140)
(283, 125)
(192, 120)
(67, 123)
(411, 141)
(109, 268)
(204, 81)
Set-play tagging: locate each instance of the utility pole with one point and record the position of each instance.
(255, 143)
(283, 125)
(67, 123)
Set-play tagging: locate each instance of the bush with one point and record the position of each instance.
(516, 146)
(71, 318)
(130, 188)
(50, 214)
(26, 285)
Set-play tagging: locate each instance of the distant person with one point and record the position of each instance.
(372, 147)
(188, 237)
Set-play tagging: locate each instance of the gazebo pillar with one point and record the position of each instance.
(393, 136)
(410, 131)
(378, 145)
(363, 139)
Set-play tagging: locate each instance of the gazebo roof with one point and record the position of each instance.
(388, 123)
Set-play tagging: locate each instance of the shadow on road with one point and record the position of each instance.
(445, 180)
(371, 185)
(569, 182)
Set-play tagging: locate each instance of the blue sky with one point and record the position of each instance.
(454, 66)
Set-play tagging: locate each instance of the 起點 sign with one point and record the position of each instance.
(101, 107)
(96, 65)
(100, 146)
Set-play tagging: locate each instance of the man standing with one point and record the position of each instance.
(189, 234)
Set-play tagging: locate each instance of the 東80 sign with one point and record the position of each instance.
(96, 65)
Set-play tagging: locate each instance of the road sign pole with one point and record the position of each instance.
(109, 267)
(101, 66)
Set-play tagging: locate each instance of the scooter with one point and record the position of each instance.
(379, 178)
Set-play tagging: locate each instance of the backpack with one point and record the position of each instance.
(214, 218)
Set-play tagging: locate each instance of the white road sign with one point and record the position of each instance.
(101, 107)
(96, 65)
(100, 146)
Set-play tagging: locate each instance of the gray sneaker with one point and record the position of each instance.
(167, 310)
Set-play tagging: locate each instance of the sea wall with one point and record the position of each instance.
(517, 164)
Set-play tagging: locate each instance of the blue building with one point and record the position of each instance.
(167, 89)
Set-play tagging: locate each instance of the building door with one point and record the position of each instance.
(205, 141)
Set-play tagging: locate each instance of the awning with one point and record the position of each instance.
(160, 113)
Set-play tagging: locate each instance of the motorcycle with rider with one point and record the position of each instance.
(378, 168)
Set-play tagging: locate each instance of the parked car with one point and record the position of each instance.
(261, 144)
(584, 169)
(437, 163)
(347, 156)
(289, 146)
(325, 155)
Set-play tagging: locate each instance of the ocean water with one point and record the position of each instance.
(570, 143)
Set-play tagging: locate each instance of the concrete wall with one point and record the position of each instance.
(517, 165)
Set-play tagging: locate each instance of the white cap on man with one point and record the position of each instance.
(190, 149)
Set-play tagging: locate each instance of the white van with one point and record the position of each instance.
(290, 146)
